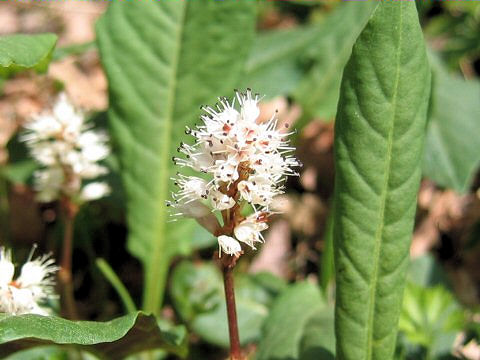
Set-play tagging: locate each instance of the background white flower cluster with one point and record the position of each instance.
(29, 291)
(69, 151)
(246, 161)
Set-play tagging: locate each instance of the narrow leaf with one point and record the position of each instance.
(274, 66)
(319, 90)
(164, 59)
(20, 52)
(379, 138)
(111, 340)
(312, 56)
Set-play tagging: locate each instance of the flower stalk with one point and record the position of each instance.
(228, 264)
(242, 163)
(69, 151)
(70, 211)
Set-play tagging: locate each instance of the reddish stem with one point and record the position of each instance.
(231, 218)
(65, 273)
(235, 350)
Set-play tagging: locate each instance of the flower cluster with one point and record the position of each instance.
(69, 151)
(34, 286)
(244, 161)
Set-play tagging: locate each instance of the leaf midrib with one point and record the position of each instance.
(158, 264)
(383, 198)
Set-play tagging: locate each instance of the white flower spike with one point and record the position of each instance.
(27, 293)
(241, 161)
(68, 150)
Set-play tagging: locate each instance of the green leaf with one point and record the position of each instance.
(163, 59)
(319, 90)
(20, 52)
(327, 266)
(285, 325)
(51, 352)
(379, 136)
(432, 318)
(77, 49)
(198, 295)
(274, 66)
(425, 271)
(19, 172)
(312, 55)
(318, 342)
(110, 340)
(452, 143)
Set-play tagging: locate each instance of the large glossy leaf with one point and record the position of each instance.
(164, 59)
(284, 328)
(451, 148)
(110, 340)
(319, 90)
(379, 136)
(21, 52)
(198, 295)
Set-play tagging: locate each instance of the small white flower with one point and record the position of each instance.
(193, 209)
(249, 230)
(31, 289)
(68, 151)
(93, 145)
(48, 183)
(226, 170)
(221, 201)
(94, 191)
(7, 269)
(228, 245)
(191, 188)
(244, 161)
(250, 110)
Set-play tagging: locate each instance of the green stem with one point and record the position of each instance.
(117, 284)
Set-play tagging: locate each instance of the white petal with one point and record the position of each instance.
(246, 233)
(221, 201)
(228, 245)
(7, 268)
(94, 191)
(37, 273)
(194, 209)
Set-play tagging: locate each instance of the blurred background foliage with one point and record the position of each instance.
(296, 58)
